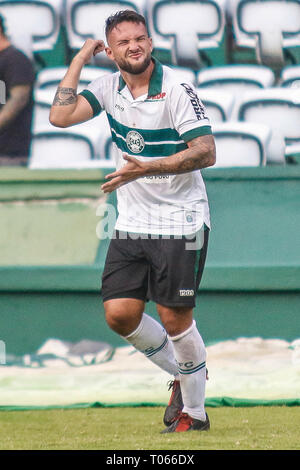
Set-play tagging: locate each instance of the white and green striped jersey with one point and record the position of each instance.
(155, 125)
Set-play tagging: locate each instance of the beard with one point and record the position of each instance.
(134, 69)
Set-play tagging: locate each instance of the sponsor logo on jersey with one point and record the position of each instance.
(186, 292)
(156, 179)
(135, 142)
(198, 107)
(189, 217)
(160, 96)
(120, 108)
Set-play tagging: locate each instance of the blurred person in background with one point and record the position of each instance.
(16, 106)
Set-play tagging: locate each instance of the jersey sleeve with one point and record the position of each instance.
(94, 93)
(188, 113)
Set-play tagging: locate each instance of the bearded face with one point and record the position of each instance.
(130, 47)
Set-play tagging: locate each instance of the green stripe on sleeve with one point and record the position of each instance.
(91, 98)
(197, 132)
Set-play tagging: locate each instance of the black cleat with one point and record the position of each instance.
(185, 422)
(175, 404)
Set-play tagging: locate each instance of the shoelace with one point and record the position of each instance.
(170, 384)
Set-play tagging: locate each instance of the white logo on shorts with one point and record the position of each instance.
(135, 142)
(186, 292)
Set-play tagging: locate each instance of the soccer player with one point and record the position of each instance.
(161, 139)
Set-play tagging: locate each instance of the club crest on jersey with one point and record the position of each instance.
(135, 141)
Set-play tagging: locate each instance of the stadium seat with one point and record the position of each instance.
(40, 115)
(182, 29)
(290, 77)
(236, 78)
(267, 27)
(240, 144)
(73, 147)
(32, 25)
(104, 145)
(185, 74)
(292, 153)
(218, 103)
(279, 108)
(65, 147)
(49, 78)
(59, 148)
(86, 18)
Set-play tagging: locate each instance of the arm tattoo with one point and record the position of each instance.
(65, 96)
(199, 154)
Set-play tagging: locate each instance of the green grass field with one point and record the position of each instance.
(255, 428)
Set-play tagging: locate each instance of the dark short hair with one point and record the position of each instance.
(123, 15)
(2, 25)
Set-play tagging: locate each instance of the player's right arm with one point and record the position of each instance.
(68, 108)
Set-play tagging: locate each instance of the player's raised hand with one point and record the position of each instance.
(90, 48)
(132, 170)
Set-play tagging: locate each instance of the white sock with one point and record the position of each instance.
(151, 339)
(190, 355)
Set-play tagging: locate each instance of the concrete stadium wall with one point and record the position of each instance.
(51, 259)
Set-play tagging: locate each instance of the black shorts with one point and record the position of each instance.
(165, 269)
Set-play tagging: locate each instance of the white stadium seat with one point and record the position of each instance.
(292, 151)
(59, 148)
(104, 144)
(184, 28)
(240, 144)
(40, 117)
(86, 19)
(267, 27)
(54, 147)
(46, 84)
(279, 108)
(49, 78)
(218, 103)
(184, 73)
(290, 77)
(32, 25)
(236, 78)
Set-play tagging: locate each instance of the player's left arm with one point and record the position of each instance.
(201, 153)
(19, 97)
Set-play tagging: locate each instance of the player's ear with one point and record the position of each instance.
(151, 44)
(109, 53)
